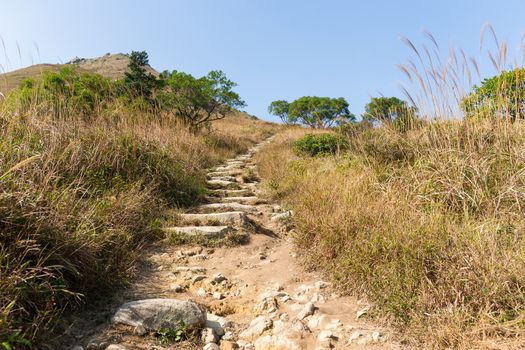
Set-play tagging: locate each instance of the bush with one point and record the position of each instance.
(321, 144)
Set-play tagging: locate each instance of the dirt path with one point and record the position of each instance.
(255, 294)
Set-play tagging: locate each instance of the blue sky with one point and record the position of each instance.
(274, 49)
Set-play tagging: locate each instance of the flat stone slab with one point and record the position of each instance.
(207, 231)
(156, 314)
(233, 193)
(230, 167)
(225, 173)
(233, 217)
(228, 207)
(251, 200)
(222, 178)
(221, 184)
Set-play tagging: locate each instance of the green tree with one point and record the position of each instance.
(500, 96)
(387, 109)
(137, 81)
(320, 112)
(199, 101)
(280, 109)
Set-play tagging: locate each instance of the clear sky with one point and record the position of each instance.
(274, 49)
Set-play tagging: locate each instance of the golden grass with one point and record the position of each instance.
(79, 198)
(428, 224)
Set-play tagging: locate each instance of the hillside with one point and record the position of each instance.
(110, 65)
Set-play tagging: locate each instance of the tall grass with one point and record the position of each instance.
(81, 193)
(427, 222)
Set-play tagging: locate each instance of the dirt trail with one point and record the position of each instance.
(261, 296)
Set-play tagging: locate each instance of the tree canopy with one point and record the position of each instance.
(387, 109)
(280, 109)
(314, 111)
(200, 100)
(500, 96)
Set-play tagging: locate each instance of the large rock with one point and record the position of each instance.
(155, 314)
(256, 327)
(232, 217)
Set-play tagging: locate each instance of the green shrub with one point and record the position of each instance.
(320, 144)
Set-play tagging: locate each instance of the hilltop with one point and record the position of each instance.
(112, 66)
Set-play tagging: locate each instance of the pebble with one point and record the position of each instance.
(197, 278)
(202, 292)
(208, 335)
(177, 288)
(218, 296)
(228, 345)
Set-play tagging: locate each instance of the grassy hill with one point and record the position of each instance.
(111, 66)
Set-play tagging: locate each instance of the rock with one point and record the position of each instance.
(155, 314)
(228, 336)
(202, 292)
(192, 269)
(208, 335)
(361, 312)
(286, 298)
(325, 336)
(116, 347)
(228, 345)
(313, 322)
(77, 347)
(228, 206)
(211, 346)
(308, 309)
(273, 294)
(281, 217)
(197, 278)
(217, 323)
(201, 231)
(218, 296)
(321, 284)
(140, 330)
(257, 327)
(268, 305)
(218, 278)
(276, 342)
(284, 317)
(354, 336)
(299, 326)
(376, 336)
(177, 288)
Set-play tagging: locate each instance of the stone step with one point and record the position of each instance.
(225, 173)
(251, 200)
(206, 231)
(226, 218)
(230, 167)
(232, 193)
(216, 207)
(217, 184)
(237, 163)
(222, 178)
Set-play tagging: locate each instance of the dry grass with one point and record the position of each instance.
(78, 199)
(428, 224)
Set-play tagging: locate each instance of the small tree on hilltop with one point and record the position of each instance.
(137, 81)
(280, 108)
(320, 112)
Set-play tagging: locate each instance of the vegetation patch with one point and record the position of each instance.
(321, 144)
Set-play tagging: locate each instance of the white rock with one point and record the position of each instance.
(154, 314)
(354, 336)
(202, 292)
(307, 310)
(116, 347)
(325, 336)
(211, 346)
(257, 327)
(208, 335)
(218, 296)
(268, 305)
(217, 323)
(299, 326)
(273, 342)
